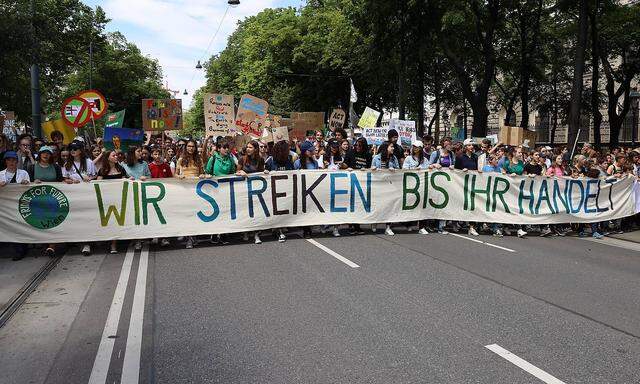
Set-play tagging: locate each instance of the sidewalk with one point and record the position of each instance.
(633, 236)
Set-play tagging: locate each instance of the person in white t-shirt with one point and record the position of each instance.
(13, 175)
(78, 167)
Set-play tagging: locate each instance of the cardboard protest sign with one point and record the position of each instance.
(115, 119)
(375, 135)
(8, 124)
(301, 122)
(252, 112)
(517, 136)
(275, 134)
(337, 119)
(369, 118)
(122, 138)
(241, 140)
(406, 130)
(161, 114)
(219, 113)
(60, 125)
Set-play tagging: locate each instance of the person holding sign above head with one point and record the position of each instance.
(251, 162)
(385, 159)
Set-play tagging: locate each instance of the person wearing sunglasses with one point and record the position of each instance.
(25, 154)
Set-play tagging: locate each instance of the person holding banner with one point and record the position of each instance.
(78, 168)
(189, 164)
(112, 170)
(11, 174)
(251, 162)
(359, 157)
(280, 161)
(221, 162)
(417, 160)
(135, 166)
(307, 160)
(385, 159)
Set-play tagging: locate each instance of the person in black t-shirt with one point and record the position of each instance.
(535, 166)
(398, 151)
(359, 157)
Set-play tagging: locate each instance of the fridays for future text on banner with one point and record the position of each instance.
(120, 209)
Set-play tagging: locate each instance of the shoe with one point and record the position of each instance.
(113, 251)
(256, 239)
(336, 232)
(245, 236)
(49, 252)
(443, 232)
(409, 228)
(138, 245)
(86, 250)
(180, 239)
(306, 233)
(545, 232)
(423, 231)
(360, 232)
(214, 239)
(154, 241)
(597, 235)
(485, 227)
(455, 227)
(389, 232)
(473, 232)
(521, 233)
(507, 231)
(282, 238)
(165, 243)
(497, 233)
(560, 232)
(582, 234)
(189, 243)
(324, 229)
(353, 231)
(222, 240)
(374, 228)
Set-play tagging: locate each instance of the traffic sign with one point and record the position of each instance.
(76, 111)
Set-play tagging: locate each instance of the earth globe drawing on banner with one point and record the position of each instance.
(43, 207)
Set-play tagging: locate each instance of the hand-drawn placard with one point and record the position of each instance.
(219, 113)
(161, 114)
(337, 119)
(252, 112)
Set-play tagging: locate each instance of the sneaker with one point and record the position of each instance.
(455, 227)
(324, 229)
(49, 252)
(409, 228)
(336, 232)
(597, 235)
(154, 241)
(582, 234)
(374, 228)
(138, 245)
(560, 232)
(473, 232)
(165, 243)
(282, 238)
(222, 240)
(443, 232)
(245, 236)
(388, 231)
(521, 233)
(86, 250)
(189, 243)
(423, 231)
(545, 232)
(306, 233)
(507, 231)
(213, 239)
(256, 239)
(113, 251)
(497, 233)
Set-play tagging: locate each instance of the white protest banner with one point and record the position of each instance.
(337, 119)
(369, 118)
(123, 209)
(219, 113)
(406, 130)
(375, 135)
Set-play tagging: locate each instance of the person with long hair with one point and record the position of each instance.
(112, 170)
(334, 160)
(221, 163)
(251, 162)
(417, 160)
(345, 146)
(557, 168)
(385, 159)
(190, 163)
(280, 161)
(358, 157)
(78, 167)
(134, 165)
(307, 158)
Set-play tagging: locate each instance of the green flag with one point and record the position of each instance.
(115, 119)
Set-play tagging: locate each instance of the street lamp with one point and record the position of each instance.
(185, 92)
(198, 66)
(233, 2)
(635, 98)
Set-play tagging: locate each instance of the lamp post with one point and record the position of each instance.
(233, 2)
(635, 99)
(35, 77)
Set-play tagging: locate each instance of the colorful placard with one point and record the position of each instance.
(115, 119)
(120, 139)
(369, 118)
(161, 114)
(251, 116)
(219, 113)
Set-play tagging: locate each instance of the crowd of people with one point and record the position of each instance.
(34, 160)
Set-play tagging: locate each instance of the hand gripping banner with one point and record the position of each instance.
(124, 209)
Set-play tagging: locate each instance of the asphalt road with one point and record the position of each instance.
(355, 309)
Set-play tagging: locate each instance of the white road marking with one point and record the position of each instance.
(334, 254)
(482, 242)
(133, 350)
(103, 357)
(523, 364)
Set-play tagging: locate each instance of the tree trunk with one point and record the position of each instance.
(595, 79)
(420, 101)
(480, 117)
(578, 73)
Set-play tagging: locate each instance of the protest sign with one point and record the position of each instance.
(76, 111)
(275, 134)
(406, 130)
(369, 118)
(375, 135)
(115, 119)
(123, 209)
(337, 119)
(8, 124)
(67, 131)
(97, 102)
(161, 114)
(219, 113)
(251, 115)
(301, 122)
(122, 138)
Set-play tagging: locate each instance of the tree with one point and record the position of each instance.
(194, 117)
(575, 105)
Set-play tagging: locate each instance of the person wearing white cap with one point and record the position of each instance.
(417, 160)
